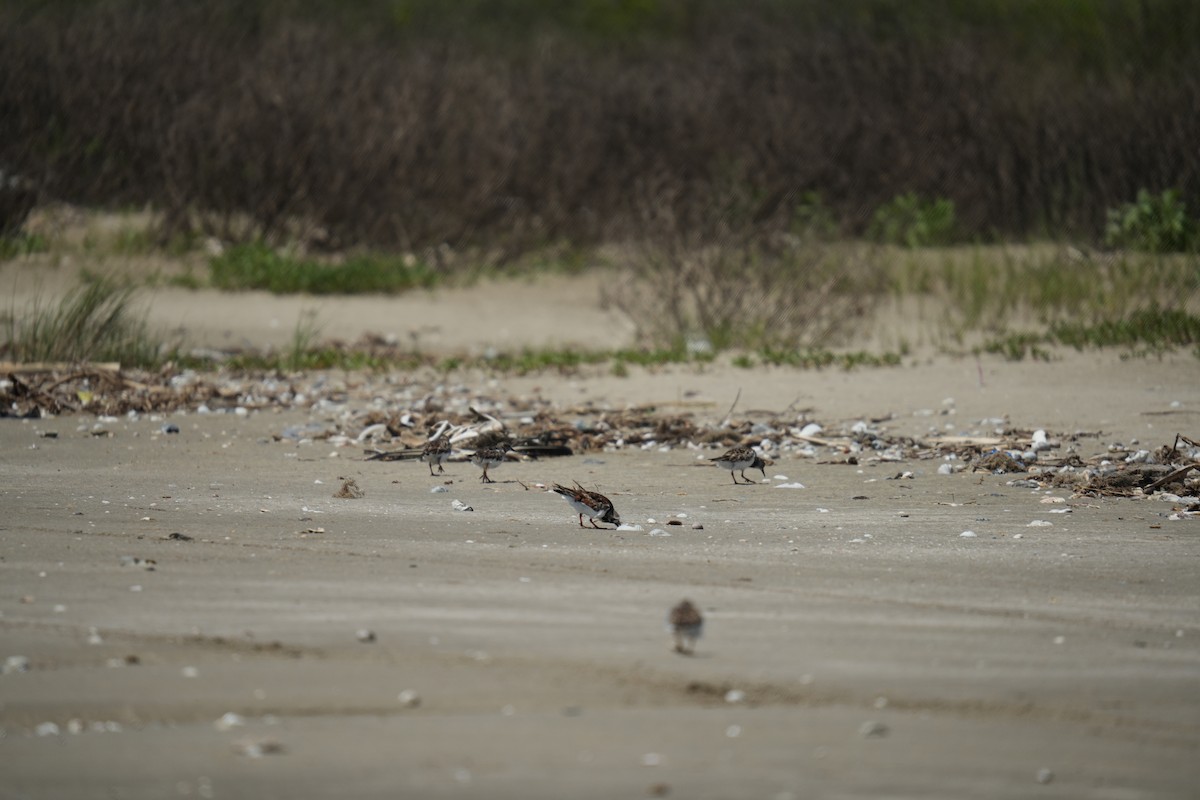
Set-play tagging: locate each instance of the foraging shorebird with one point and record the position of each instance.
(437, 449)
(589, 504)
(490, 457)
(741, 458)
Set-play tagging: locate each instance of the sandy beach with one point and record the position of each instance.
(195, 614)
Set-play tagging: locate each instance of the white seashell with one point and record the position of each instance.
(229, 720)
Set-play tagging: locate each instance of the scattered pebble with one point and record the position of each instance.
(15, 664)
(735, 696)
(229, 720)
(1040, 523)
(1045, 776)
(967, 535)
(872, 729)
(658, 532)
(365, 635)
(459, 505)
(257, 748)
(409, 698)
(46, 729)
(438, 490)
(793, 485)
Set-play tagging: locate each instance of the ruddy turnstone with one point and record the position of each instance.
(685, 626)
(490, 457)
(437, 450)
(590, 504)
(740, 458)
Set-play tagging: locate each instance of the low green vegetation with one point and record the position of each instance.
(987, 288)
(531, 361)
(258, 266)
(807, 299)
(1147, 331)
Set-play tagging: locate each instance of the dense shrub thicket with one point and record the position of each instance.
(514, 123)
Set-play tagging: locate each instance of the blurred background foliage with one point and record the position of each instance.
(512, 124)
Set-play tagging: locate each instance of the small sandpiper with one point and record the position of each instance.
(686, 625)
(741, 458)
(589, 504)
(490, 457)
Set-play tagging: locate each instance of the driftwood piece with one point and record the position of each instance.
(1171, 476)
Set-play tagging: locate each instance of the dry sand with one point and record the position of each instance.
(877, 652)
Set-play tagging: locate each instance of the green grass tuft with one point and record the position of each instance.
(95, 322)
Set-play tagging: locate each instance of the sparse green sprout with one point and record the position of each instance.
(813, 218)
(19, 244)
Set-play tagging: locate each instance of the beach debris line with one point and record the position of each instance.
(394, 419)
